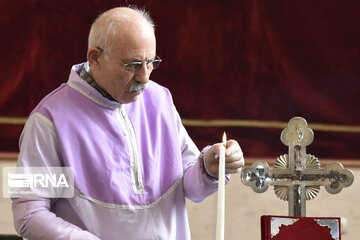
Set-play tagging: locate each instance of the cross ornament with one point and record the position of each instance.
(297, 176)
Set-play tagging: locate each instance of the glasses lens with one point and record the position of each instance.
(156, 63)
(134, 66)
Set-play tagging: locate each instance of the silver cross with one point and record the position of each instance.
(297, 176)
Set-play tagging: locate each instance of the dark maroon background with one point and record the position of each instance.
(224, 59)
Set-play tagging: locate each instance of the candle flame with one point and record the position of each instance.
(224, 139)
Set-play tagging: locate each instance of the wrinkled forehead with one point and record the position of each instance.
(135, 41)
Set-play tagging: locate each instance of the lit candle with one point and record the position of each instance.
(220, 223)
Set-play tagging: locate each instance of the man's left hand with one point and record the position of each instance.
(234, 158)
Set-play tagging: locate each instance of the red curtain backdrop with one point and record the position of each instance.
(223, 59)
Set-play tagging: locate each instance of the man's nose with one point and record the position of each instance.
(142, 75)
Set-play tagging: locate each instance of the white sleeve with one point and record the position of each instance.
(39, 145)
(32, 217)
(189, 152)
(198, 185)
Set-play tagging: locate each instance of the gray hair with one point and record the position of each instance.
(102, 36)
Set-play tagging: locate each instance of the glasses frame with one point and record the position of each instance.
(137, 65)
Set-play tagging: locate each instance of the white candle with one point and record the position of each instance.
(220, 223)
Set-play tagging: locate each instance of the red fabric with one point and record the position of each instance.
(255, 60)
(304, 228)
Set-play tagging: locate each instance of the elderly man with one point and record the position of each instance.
(134, 163)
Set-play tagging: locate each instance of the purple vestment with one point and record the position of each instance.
(134, 165)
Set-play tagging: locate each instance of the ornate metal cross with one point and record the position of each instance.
(297, 176)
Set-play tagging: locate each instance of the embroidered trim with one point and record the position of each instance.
(86, 94)
(202, 155)
(124, 206)
(48, 121)
(135, 162)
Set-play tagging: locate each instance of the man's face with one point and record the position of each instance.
(114, 77)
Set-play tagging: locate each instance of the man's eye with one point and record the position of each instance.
(133, 66)
(136, 65)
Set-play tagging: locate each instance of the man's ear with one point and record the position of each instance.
(93, 56)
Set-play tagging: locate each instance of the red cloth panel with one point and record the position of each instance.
(304, 228)
(232, 59)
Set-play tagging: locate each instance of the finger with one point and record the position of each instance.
(235, 165)
(232, 146)
(234, 157)
(232, 171)
(230, 142)
(216, 148)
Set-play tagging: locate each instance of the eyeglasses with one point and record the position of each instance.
(137, 65)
